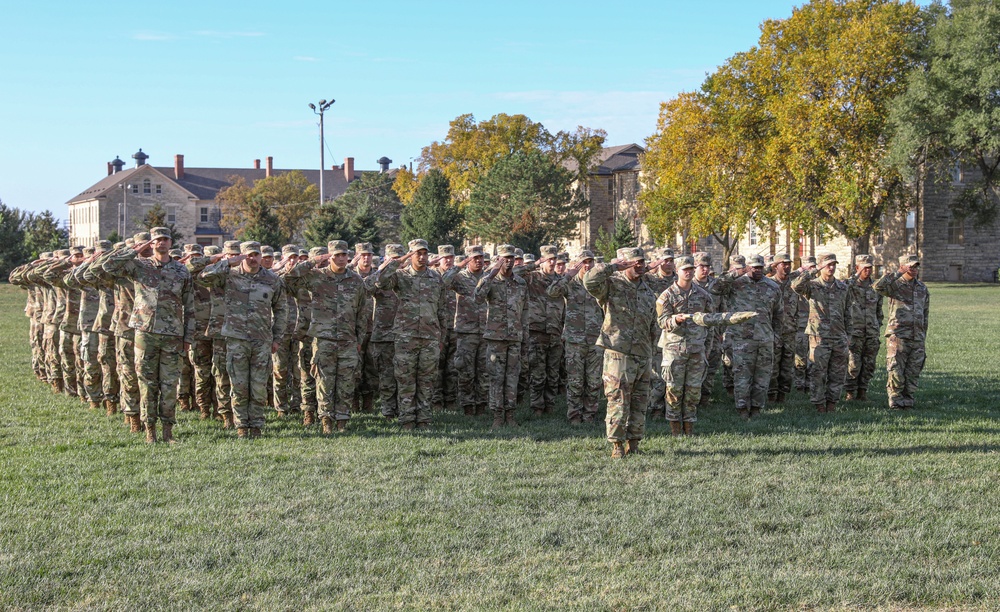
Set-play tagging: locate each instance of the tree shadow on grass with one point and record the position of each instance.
(838, 451)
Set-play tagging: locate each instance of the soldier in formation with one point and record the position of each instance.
(906, 331)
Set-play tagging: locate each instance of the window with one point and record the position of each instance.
(752, 234)
(204, 214)
(159, 188)
(956, 231)
(957, 174)
(611, 188)
(911, 228)
(135, 188)
(146, 186)
(171, 215)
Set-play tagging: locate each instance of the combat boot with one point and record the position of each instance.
(862, 395)
(341, 425)
(537, 412)
(281, 413)
(110, 407)
(309, 418)
(134, 423)
(617, 450)
(703, 402)
(168, 433)
(745, 414)
(204, 413)
(327, 425)
(509, 419)
(57, 386)
(255, 433)
(688, 428)
(423, 425)
(94, 405)
(576, 420)
(754, 412)
(185, 403)
(831, 406)
(469, 410)
(498, 420)
(632, 447)
(675, 428)
(409, 426)
(849, 396)
(150, 433)
(368, 403)
(772, 397)
(242, 433)
(657, 414)
(820, 408)
(780, 398)
(227, 421)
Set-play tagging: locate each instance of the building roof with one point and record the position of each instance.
(613, 159)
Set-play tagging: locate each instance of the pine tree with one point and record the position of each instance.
(432, 215)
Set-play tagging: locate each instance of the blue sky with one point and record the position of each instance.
(227, 82)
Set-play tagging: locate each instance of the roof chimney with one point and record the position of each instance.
(179, 167)
(270, 166)
(349, 169)
(117, 165)
(140, 158)
(256, 164)
(110, 169)
(383, 164)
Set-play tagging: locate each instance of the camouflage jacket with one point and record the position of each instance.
(255, 302)
(422, 308)
(164, 296)
(909, 306)
(506, 300)
(802, 311)
(687, 335)
(369, 304)
(470, 315)
(583, 318)
(763, 297)
(216, 300)
(629, 310)
(867, 315)
(658, 283)
(33, 275)
(385, 311)
(450, 302)
(90, 298)
(91, 275)
(67, 312)
(829, 306)
(545, 313)
(33, 307)
(790, 318)
(123, 290)
(338, 302)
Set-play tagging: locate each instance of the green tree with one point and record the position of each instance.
(622, 236)
(950, 111)
(325, 225)
(525, 199)
(290, 195)
(157, 217)
(114, 237)
(432, 215)
(261, 224)
(374, 191)
(42, 233)
(12, 251)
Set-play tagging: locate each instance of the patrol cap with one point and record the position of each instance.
(76, 250)
(518, 253)
(826, 259)
(562, 257)
(864, 261)
(701, 258)
(159, 232)
(212, 250)
(548, 251)
(474, 250)
(119, 245)
(364, 248)
(683, 263)
(337, 247)
(194, 249)
(528, 257)
(417, 244)
(809, 261)
(303, 253)
(141, 237)
(317, 251)
(188, 247)
(739, 260)
(782, 258)
(394, 250)
(768, 260)
(46, 255)
(376, 260)
(62, 253)
(129, 242)
(507, 250)
(486, 256)
(266, 251)
(231, 247)
(446, 250)
(289, 249)
(104, 245)
(585, 255)
(755, 261)
(632, 254)
(909, 260)
(175, 253)
(667, 253)
(87, 252)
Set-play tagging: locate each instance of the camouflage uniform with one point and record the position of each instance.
(383, 341)
(659, 283)
(727, 337)
(752, 342)
(906, 333)
(33, 310)
(367, 387)
(216, 319)
(470, 361)
(506, 319)
(684, 357)
(51, 316)
(286, 375)
(865, 332)
(713, 348)
(123, 289)
(545, 321)
(90, 303)
(200, 353)
(783, 372)
(801, 339)
(446, 384)
(69, 332)
(829, 321)
(421, 318)
(256, 312)
(163, 320)
(626, 336)
(584, 358)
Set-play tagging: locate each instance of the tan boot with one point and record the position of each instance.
(423, 425)
(168, 433)
(204, 413)
(820, 408)
(617, 450)
(309, 418)
(409, 426)
(780, 398)
(745, 414)
(341, 425)
(134, 423)
(498, 420)
(831, 406)
(688, 428)
(242, 433)
(94, 405)
(255, 433)
(327, 425)
(849, 397)
(632, 447)
(576, 420)
(862, 395)
(470, 411)
(227, 421)
(281, 413)
(110, 407)
(675, 428)
(368, 403)
(754, 412)
(150, 433)
(185, 404)
(509, 419)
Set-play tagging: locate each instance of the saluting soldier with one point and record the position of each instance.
(866, 327)
(906, 332)
(470, 357)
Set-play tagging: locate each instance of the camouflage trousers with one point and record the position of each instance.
(334, 366)
(383, 355)
(108, 357)
(90, 343)
(72, 366)
(223, 386)
(546, 353)
(248, 363)
(904, 360)
(727, 362)
(861, 363)
(446, 383)
(472, 372)
(286, 374)
(683, 375)
(714, 353)
(415, 363)
(524, 378)
(657, 386)
(783, 372)
(158, 366)
(801, 360)
(367, 386)
(828, 359)
(36, 335)
(584, 362)
(128, 380)
(504, 360)
(752, 364)
(50, 344)
(307, 382)
(626, 385)
(200, 356)
(185, 384)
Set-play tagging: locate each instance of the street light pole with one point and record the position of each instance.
(319, 110)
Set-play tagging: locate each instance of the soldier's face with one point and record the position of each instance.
(828, 270)
(147, 251)
(231, 255)
(518, 261)
(267, 262)
(338, 262)
(913, 270)
(668, 267)
(686, 274)
(507, 265)
(586, 265)
(756, 272)
(782, 269)
(252, 261)
(548, 265)
(701, 272)
(560, 267)
(365, 261)
(162, 245)
(419, 261)
(476, 264)
(446, 262)
(635, 270)
(76, 258)
(864, 272)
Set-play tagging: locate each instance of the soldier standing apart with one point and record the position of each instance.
(545, 330)
(783, 373)
(906, 332)
(505, 295)
(256, 313)
(866, 327)
(581, 329)
(752, 343)
(421, 320)
(470, 359)
(829, 322)
(163, 320)
(383, 342)
(626, 336)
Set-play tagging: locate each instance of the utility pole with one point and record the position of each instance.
(319, 110)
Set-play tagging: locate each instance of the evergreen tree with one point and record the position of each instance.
(327, 224)
(12, 251)
(622, 236)
(432, 215)
(42, 233)
(262, 224)
(157, 217)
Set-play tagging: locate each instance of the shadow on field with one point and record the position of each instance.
(923, 449)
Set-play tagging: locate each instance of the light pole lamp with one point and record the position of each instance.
(319, 109)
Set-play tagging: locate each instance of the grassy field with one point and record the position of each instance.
(865, 508)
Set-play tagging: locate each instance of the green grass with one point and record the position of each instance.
(866, 508)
